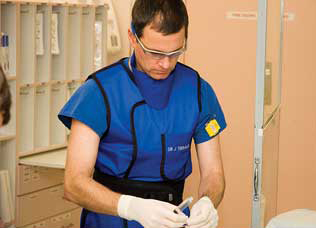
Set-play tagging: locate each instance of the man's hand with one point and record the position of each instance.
(203, 214)
(150, 213)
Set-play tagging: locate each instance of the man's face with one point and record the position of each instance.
(151, 39)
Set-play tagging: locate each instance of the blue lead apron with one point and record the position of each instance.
(142, 143)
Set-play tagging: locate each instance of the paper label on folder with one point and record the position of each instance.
(54, 35)
(39, 34)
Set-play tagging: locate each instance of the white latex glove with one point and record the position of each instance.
(203, 214)
(150, 213)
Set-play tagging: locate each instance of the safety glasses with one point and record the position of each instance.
(158, 55)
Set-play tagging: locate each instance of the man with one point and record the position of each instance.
(132, 123)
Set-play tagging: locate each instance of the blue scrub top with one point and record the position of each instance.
(87, 104)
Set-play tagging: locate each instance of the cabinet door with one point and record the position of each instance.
(69, 219)
(42, 204)
(267, 114)
(34, 178)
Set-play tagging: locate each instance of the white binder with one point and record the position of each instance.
(98, 45)
(39, 34)
(54, 34)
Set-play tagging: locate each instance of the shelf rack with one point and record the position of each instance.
(52, 49)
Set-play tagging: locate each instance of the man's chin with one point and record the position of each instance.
(159, 76)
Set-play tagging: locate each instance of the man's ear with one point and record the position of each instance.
(132, 38)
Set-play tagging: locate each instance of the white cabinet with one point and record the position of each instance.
(52, 49)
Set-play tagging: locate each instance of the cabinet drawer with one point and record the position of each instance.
(33, 178)
(42, 204)
(69, 219)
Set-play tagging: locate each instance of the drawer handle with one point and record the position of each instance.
(68, 226)
(54, 190)
(33, 196)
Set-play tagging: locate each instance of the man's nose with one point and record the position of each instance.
(165, 62)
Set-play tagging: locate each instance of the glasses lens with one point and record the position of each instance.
(176, 54)
(157, 55)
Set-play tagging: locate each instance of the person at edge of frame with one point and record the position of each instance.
(5, 99)
(5, 105)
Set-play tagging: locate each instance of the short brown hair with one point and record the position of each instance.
(171, 14)
(5, 98)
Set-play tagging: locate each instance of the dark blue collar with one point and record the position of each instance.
(155, 92)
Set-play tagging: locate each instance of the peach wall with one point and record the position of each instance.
(224, 52)
(297, 157)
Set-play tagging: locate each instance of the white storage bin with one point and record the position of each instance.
(299, 218)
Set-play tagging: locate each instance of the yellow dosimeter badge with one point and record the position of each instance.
(212, 127)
